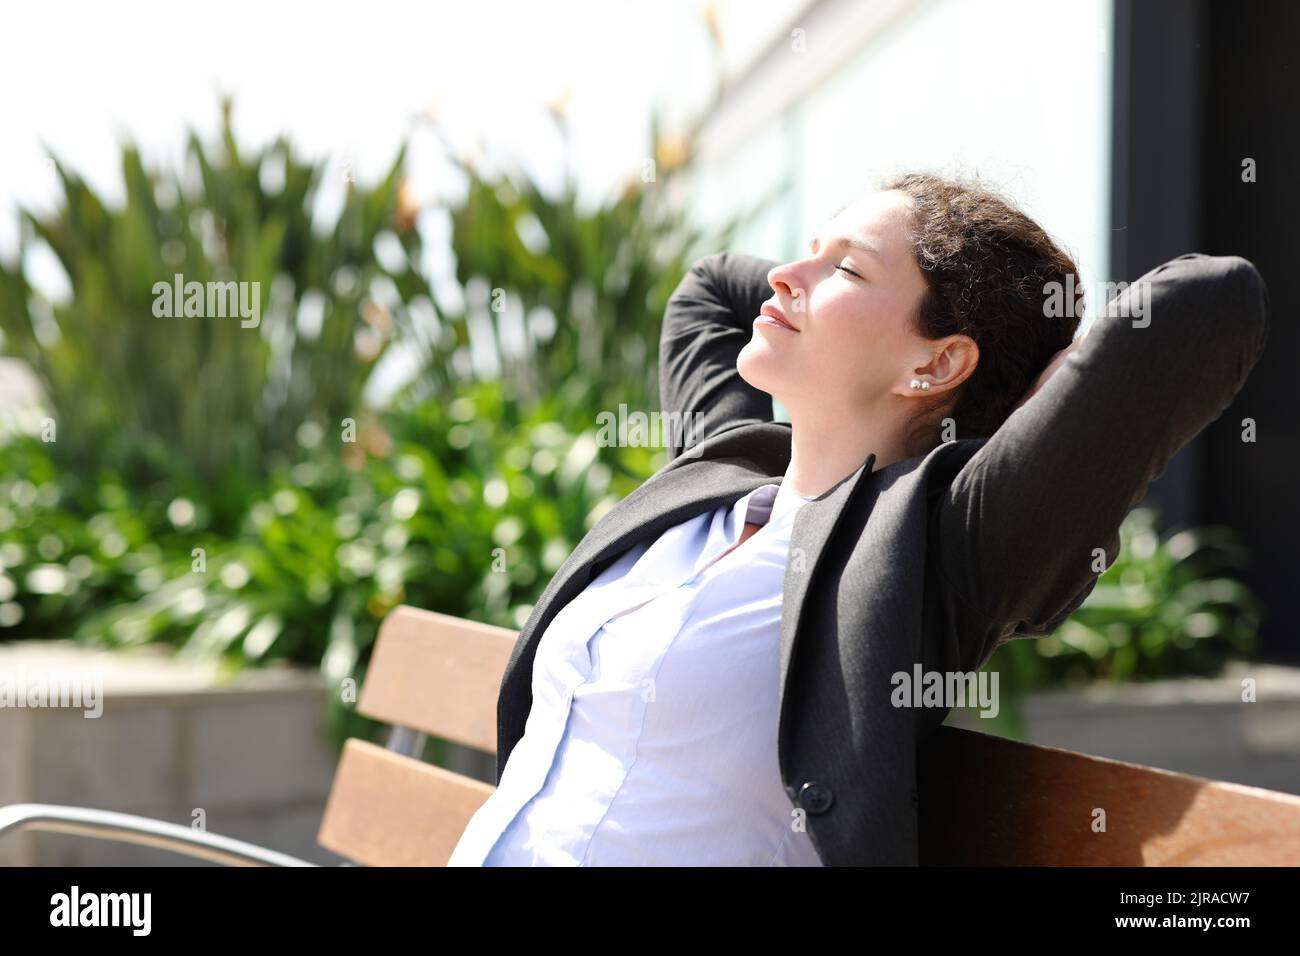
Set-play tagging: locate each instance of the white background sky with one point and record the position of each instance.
(346, 81)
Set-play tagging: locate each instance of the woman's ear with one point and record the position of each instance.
(956, 362)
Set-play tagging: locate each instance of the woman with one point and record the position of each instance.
(713, 675)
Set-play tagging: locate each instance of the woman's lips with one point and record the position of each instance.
(770, 315)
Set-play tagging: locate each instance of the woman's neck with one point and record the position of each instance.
(824, 451)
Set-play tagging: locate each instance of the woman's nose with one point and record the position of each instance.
(782, 279)
(789, 284)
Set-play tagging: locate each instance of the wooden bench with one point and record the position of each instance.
(984, 800)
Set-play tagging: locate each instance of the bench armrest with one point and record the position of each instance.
(128, 828)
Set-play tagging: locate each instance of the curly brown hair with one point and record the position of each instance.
(987, 267)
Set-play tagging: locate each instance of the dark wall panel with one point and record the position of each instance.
(1252, 109)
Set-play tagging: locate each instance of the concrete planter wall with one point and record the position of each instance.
(172, 739)
(1191, 725)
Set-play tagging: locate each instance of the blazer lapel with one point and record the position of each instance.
(813, 524)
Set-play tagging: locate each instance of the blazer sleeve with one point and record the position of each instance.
(1018, 525)
(708, 320)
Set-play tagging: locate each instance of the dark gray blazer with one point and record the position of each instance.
(936, 559)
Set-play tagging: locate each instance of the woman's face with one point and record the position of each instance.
(851, 302)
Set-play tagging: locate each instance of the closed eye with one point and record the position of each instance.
(848, 270)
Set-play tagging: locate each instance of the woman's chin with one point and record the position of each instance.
(758, 367)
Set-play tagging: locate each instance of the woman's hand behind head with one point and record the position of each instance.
(1057, 360)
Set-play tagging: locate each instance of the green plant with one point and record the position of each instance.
(208, 404)
(562, 299)
(559, 300)
(1166, 606)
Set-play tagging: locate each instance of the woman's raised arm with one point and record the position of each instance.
(708, 320)
(1016, 530)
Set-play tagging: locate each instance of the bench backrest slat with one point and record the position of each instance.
(438, 674)
(989, 801)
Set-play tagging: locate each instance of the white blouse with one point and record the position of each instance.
(652, 735)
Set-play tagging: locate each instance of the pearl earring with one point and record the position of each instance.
(917, 383)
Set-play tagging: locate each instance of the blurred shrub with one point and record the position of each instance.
(587, 286)
(204, 403)
(467, 507)
(559, 302)
(1167, 606)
